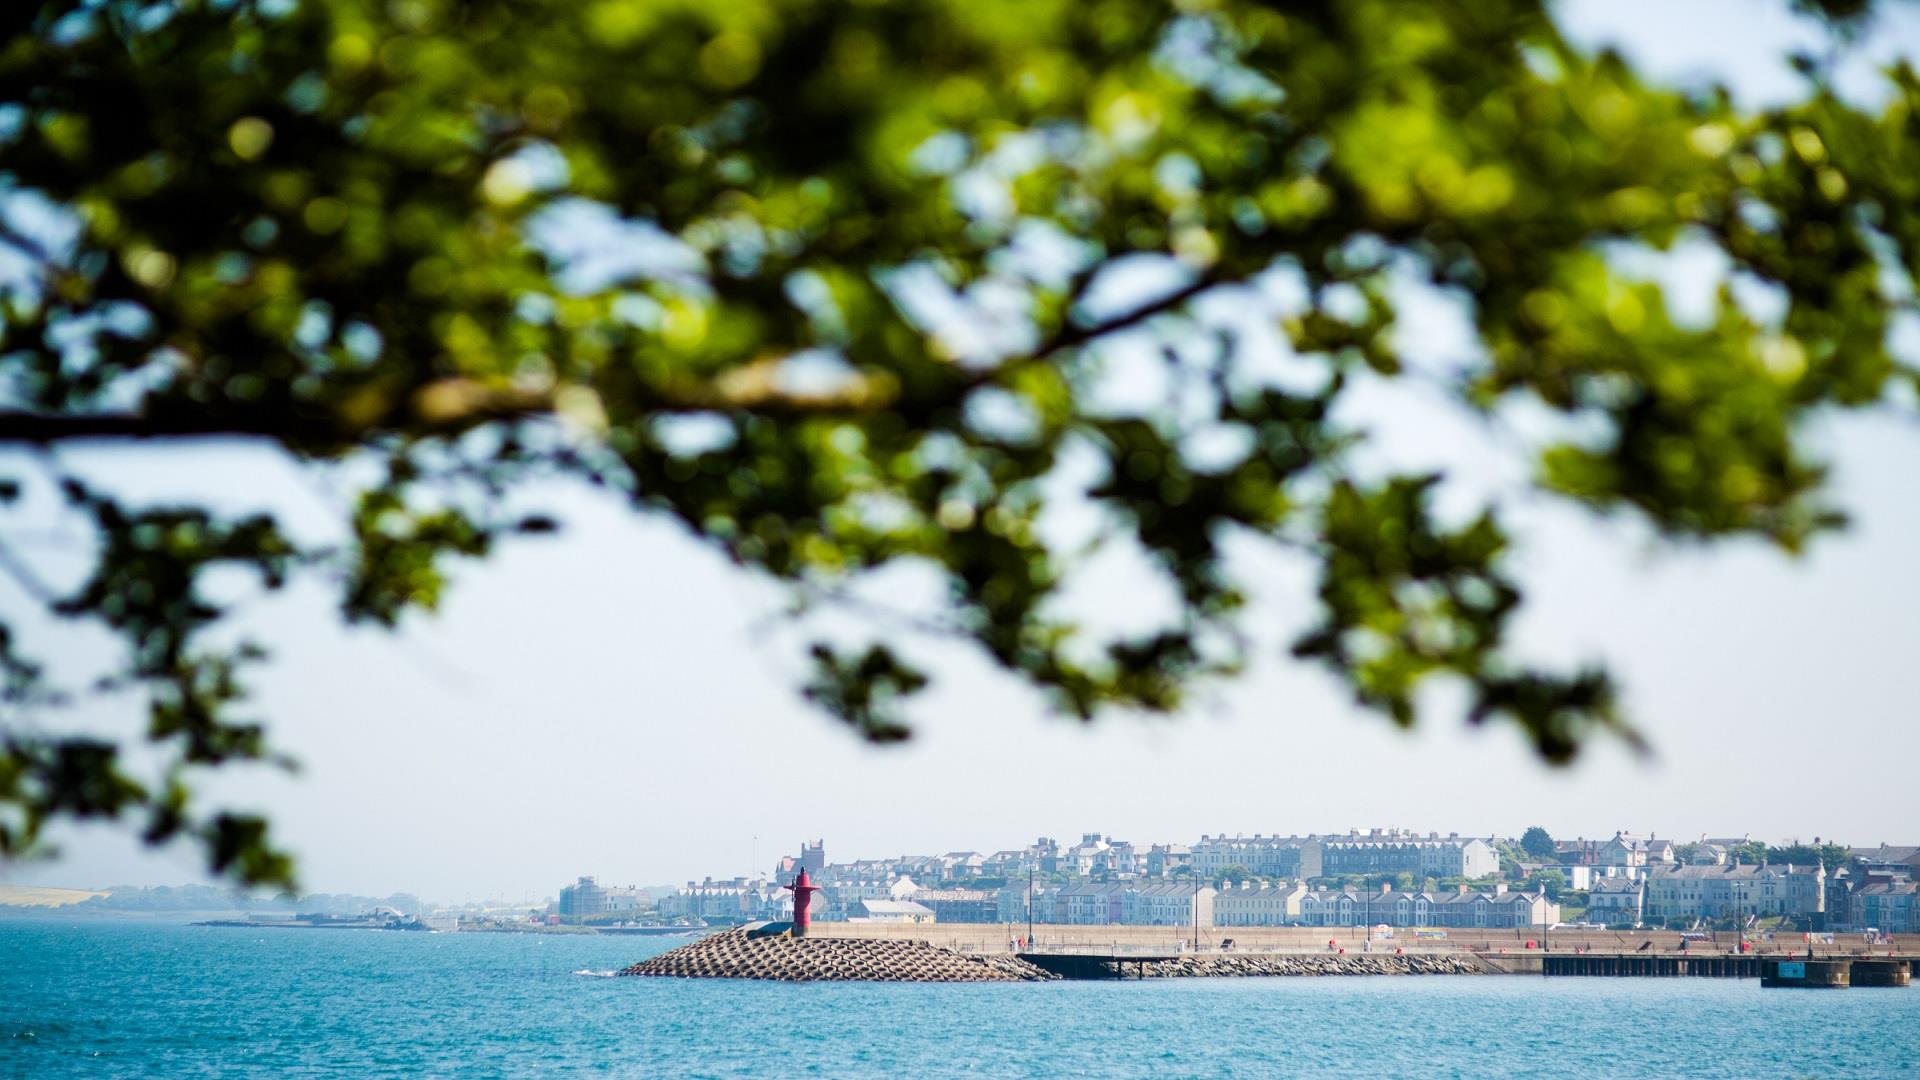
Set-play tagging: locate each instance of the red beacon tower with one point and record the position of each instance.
(803, 890)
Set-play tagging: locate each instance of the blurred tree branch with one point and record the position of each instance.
(818, 281)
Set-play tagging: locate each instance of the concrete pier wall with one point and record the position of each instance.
(995, 937)
(1808, 974)
(1651, 965)
(1889, 972)
(1253, 965)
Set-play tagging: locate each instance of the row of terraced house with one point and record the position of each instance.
(1629, 880)
(1876, 889)
(1375, 851)
(1097, 903)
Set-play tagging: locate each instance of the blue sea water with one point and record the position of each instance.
(153, 999)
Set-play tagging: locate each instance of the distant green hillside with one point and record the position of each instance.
(122, 899)
(33, 896)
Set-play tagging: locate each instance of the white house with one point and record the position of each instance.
(1617, 901)
(1081, 857)
(893, 911)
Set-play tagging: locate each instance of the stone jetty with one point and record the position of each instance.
(741, 954)
(1230, 965)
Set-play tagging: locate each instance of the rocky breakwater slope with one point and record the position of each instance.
(1248, 964)
(736, 955)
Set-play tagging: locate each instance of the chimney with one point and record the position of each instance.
(1499, 888)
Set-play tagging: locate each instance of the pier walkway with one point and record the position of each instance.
(1122, 962)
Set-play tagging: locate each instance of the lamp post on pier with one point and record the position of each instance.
(1366, 886)
(1030, 869)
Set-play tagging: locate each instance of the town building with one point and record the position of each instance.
(1046, 907)
(1889, 907)
(1119, 860)
(1580, 852)
(1081, 857)
(890, 911)
(812, 859)
(840, 896)
(1579, 878)
(1628, 851)
(921, 867)
(1008, 864)
(1093, 903)
(1041, 857)
(1167, 904)
(727, 900)
(1625, 855)
(1495, 910)
(1708, 854)
(1166, 860)
(1901, 860)
(1887, 864)
(1259, 904)
(1617, 901)
(1392, 851)
(588, 897)
(1734, 891)
(1263, 856)
(583, 897)
(962, 865)
(961, 905)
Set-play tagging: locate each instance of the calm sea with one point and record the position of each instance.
(121, 999)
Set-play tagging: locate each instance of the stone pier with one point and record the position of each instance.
(742, 954)
(1245, 965)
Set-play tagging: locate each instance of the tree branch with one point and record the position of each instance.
(1069, 336)
(447, 407)
(44, 428)
(23, 575)
(453, 406)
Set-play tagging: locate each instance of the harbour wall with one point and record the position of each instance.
(995, 937)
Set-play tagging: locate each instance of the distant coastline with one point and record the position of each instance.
(320, 924)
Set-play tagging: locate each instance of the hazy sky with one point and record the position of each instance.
(618, 701)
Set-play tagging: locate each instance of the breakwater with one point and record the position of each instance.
(770, 952)
(739, 954)
(1228, 965)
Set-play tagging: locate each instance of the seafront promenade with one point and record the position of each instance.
(1000, 937)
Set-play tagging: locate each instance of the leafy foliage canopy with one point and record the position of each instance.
(840, 284)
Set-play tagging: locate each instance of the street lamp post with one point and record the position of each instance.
(1030, 905)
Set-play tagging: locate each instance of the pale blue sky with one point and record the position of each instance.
(617, 701)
